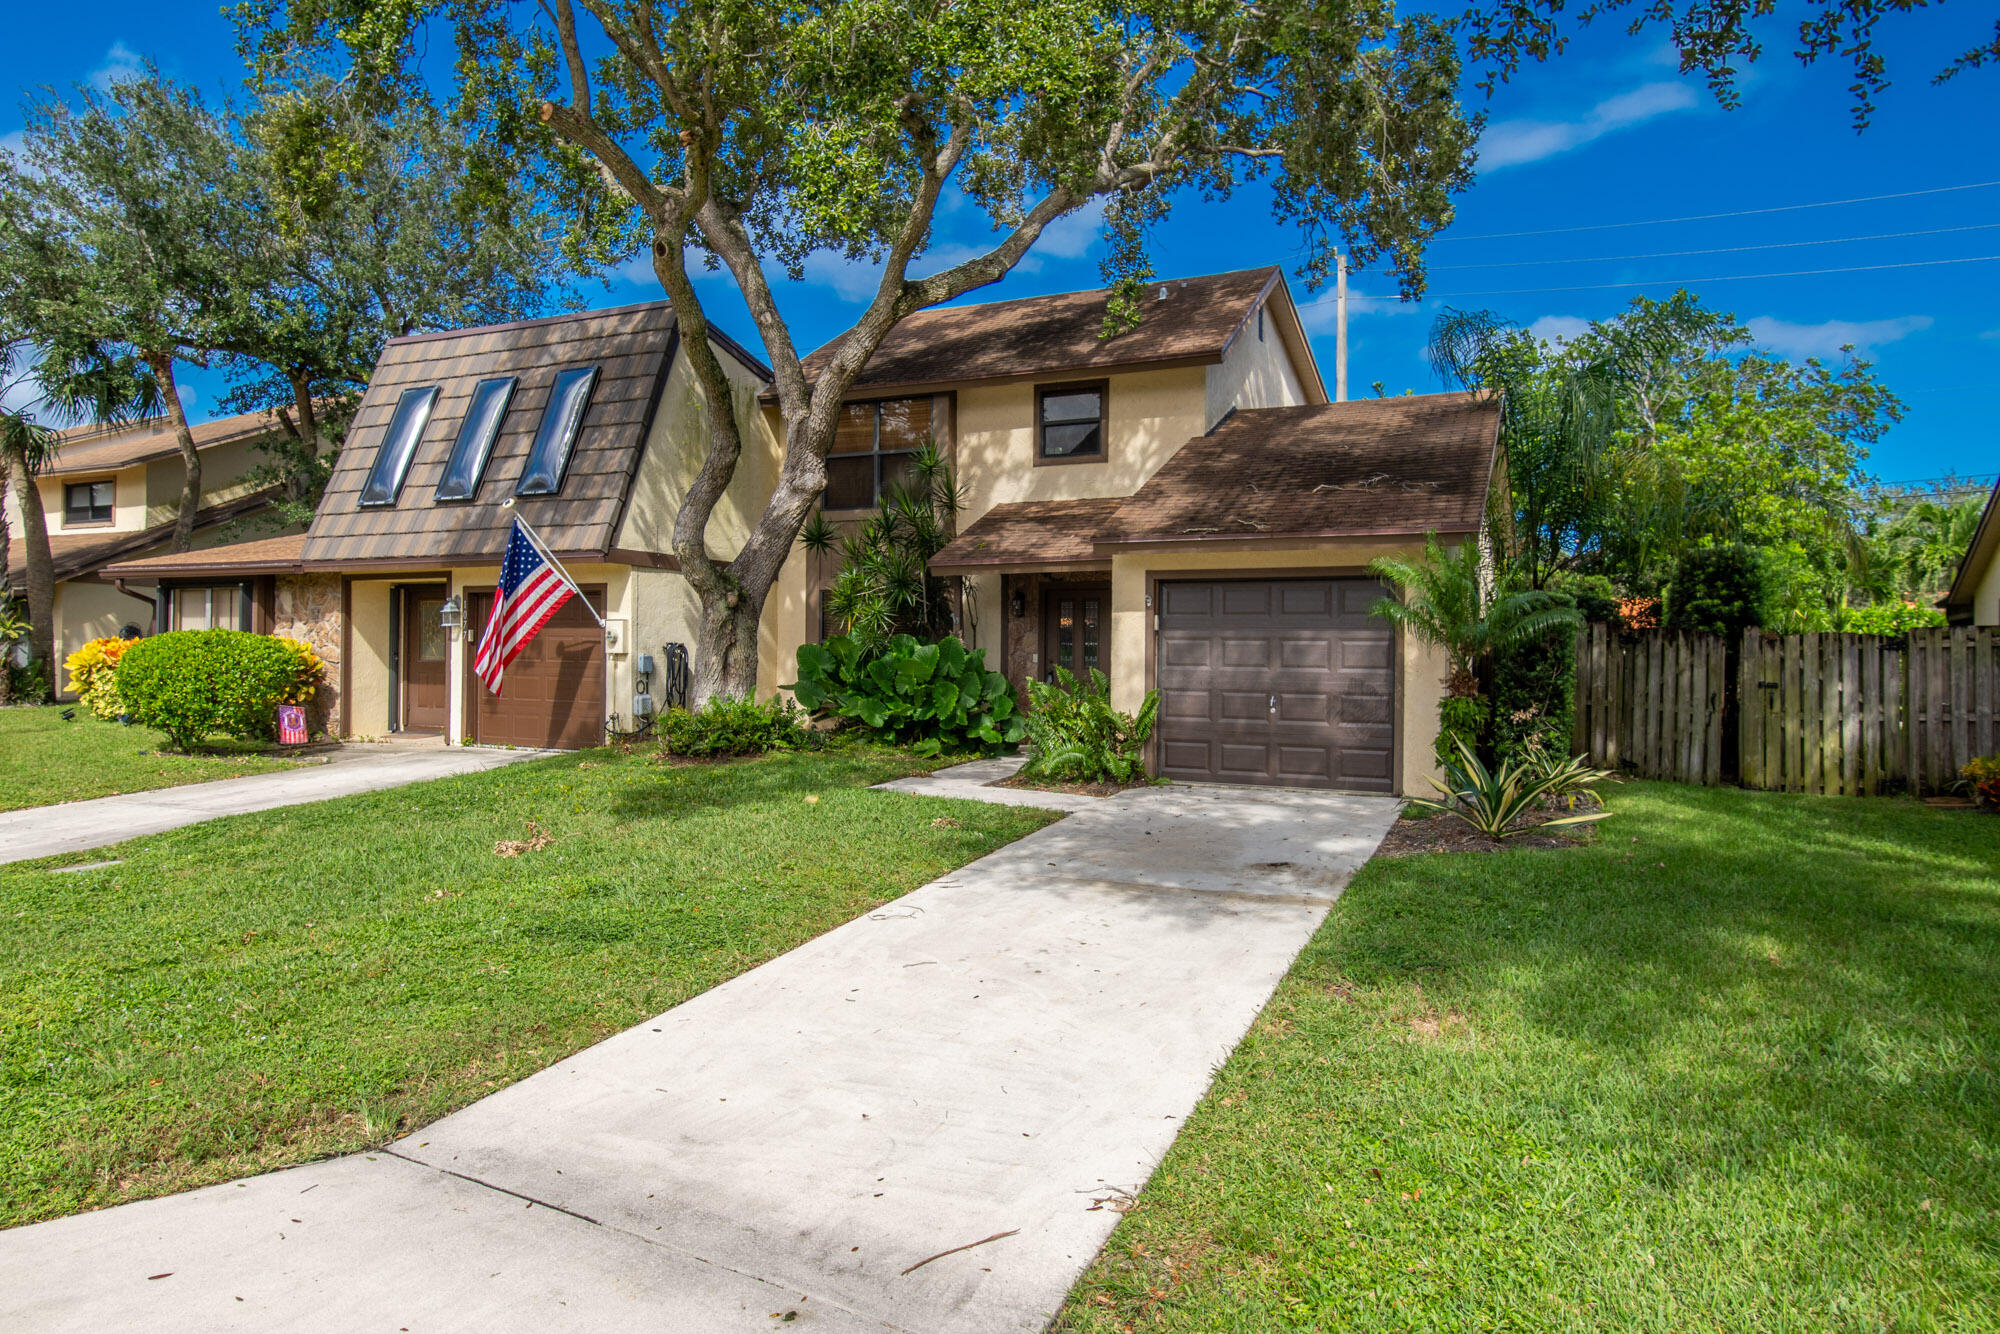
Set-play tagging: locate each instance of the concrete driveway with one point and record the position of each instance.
(46, 831)
(924, 1120)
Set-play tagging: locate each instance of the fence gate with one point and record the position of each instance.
(1822, 713)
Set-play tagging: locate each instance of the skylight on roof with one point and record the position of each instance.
(548, 460)
(474, 445)
(399, 446)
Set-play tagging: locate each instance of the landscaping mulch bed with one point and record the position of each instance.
(1421, 832)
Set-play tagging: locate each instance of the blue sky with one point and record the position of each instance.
(1605, 136)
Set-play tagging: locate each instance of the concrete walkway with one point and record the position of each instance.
(989, 1066)
(45, 831)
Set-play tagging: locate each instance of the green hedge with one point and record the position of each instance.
(191, 684)
(728, 725)
(1534, 693)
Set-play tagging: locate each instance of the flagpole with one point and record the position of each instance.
(550, 557)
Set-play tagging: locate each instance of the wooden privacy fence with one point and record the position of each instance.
(1826, 713)
(1653, 704)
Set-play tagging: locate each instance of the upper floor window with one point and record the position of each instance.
(1069, 422)
(88, 502)
(399, 446)
(548, 458)
(874, 446)
(475, 439)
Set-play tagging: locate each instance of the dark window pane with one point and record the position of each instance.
(1089, 633)
(475, 439)
(1084, 405)
(1060, 442)
(899, 468)
(548, 458)
(855, 432)
(399, 446)
(850, 483)
(430, 630)
(906, 423)
(1066, 635)
(88, 502)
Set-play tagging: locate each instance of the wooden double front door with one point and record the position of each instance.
(1076, 630)
(426, 702)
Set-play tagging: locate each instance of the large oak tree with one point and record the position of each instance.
(750, 134)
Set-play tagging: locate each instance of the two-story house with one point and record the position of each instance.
(1180, 507)
(113, 494)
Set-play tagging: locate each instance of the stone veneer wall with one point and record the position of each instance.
(307, 608)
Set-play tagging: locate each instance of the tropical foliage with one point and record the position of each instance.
(1449, 599)
(885, 586)
(93, 676)
(1078, 737)
(1506, 799)
(932, 697)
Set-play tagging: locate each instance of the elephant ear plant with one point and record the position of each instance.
(1502, 801)
(929, 697)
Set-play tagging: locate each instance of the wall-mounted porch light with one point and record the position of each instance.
(449, 615)
(1019, 604)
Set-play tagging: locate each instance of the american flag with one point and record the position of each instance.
(532, 589)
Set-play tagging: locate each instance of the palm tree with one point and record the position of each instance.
(1450, 600)
(27, 447)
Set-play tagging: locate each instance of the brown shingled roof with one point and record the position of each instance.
(98, 449)
(633, 346)
(77, 554)
(1384, 465)
(1045, 335)
(264, 555)
(1035, 534)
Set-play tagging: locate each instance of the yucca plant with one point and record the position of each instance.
(885, 586)
(1497, 802)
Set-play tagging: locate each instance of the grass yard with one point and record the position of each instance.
(44, 760)
(275, 987)
(1735, 1066)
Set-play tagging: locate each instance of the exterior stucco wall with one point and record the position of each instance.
(128, 503)
(87, 610)
(1152, 414)
(674, 454)
(1419, 670)
(1255, 373)
(1986, 596)
(225, 476)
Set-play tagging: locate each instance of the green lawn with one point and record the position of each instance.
(44, 760)
(1732, 1067)
(274, 987)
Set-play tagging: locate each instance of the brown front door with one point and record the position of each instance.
(553, 694)
(1284, 681)
(426, 697)
(1076, 631)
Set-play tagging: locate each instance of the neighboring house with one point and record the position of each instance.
(1179, 507)
(1974, 598)
(113, 494)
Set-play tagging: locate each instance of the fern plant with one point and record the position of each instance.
(1498, 802)
(1079, 738)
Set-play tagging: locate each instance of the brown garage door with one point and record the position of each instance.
(553, 694)
(1276, 681)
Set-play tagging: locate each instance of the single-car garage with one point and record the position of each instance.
(1283, 681)
(553, 694)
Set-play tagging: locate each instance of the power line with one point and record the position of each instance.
(1720, 250)
(1692, 282)
(1710, 217)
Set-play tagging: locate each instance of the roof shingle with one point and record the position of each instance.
(1033, 533)
(1047, 335)
(97, 449)
(1376, 466)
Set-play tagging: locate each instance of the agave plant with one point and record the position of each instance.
(1497, 802)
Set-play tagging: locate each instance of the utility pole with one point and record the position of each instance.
(1340, 328)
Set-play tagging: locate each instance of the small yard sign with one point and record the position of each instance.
(292, 724)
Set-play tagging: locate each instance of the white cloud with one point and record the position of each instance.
(1559, 328)
(121, 62)
(1511, 143)
(1070, 236)
(1826, 340)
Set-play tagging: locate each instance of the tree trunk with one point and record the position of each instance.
(40, 568)
(162, 365)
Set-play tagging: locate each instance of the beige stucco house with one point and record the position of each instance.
(112, 495)
(1179, 506)
(1974, 598)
